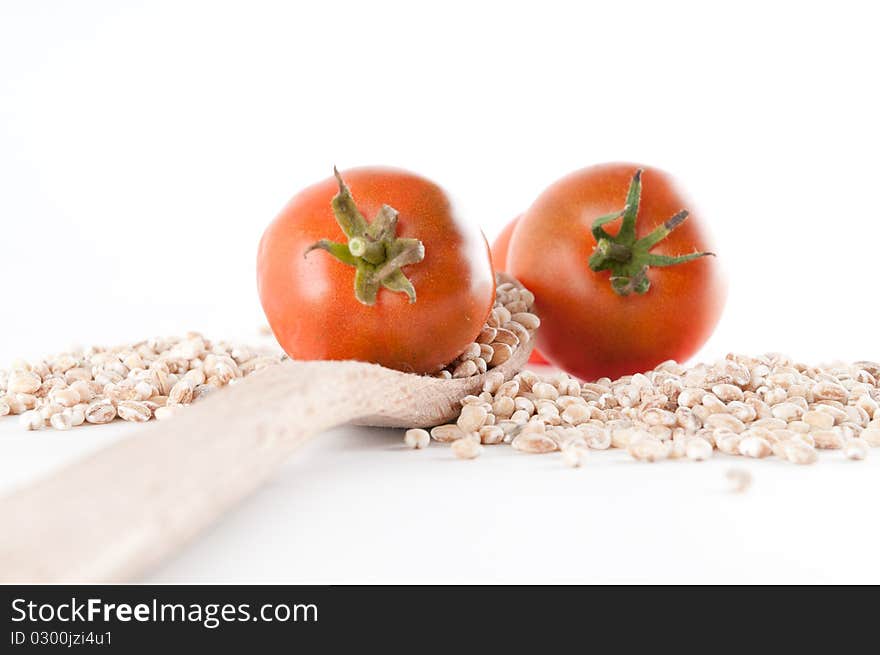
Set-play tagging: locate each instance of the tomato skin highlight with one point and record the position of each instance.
(309, 300)
(587, 329)
(499, 261)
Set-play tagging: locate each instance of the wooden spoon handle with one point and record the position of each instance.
(110, 516)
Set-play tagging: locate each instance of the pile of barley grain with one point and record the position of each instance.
(749, 406)
(509, 324)
(136, 382)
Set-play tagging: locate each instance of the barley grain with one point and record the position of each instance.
(510, 388)
(740, 480)
(574, 455)
(472, 418)
(647, 449)
(775, 396)
(519, 416)
(527, 380)
(797, 452)
(134, 411)
(828, 439)
(31, 420)
(856, 449)
(522, 334)
(446, 433)
(528, 320)
(503, 407)
(491, 434)
(501, 352)
(804, 437)
(23, 382)
(487, 335)
(743, 411)
(100, 411)
(830, 391)
(62, 420)
(465, 369)
(471, 352)
(787, 411)
(417, 438)
(545, 391)
(690, 397)
(505, 337)
(181, 393)
(727, 392)
(725, 422)
(771, 423)
(712, 404)
(534, 442)
(698, 449)
(467, 448)
(754, 447)
(657, 416)
(77, 416)
(576, 414)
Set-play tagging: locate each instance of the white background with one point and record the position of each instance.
(145, 146)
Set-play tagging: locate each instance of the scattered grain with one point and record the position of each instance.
(740, 480)
(31, 420)
(856, 449)
(417, 438)
(574, 455)
(467, 448)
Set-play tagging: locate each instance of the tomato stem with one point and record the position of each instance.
(628, 258)
(610, 250)
(373, 249)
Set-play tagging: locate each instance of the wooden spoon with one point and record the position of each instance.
(112, 515)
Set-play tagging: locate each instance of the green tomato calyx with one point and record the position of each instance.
(628, 258)
(373, 248)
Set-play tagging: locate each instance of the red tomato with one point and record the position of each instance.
(499, 261)
(409, 289)
(618, 302)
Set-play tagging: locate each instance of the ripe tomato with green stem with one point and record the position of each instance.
(408, 289)
(615, 302)
(499, 261)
